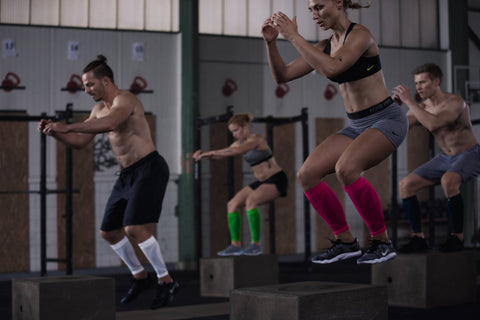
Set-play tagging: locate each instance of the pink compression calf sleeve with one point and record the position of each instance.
(327, 205)
(368, 205)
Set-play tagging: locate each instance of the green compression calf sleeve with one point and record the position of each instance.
(254, 221)
(234, 225)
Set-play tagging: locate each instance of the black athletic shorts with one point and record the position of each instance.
(280, 181)
(138, 193)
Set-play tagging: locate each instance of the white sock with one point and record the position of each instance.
(125, 251)
(151, 249)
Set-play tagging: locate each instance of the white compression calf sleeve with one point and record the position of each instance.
(125, 251)
(151, 249)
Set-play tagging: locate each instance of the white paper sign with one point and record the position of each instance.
(8, 48)
(73, 50)
(138, 51)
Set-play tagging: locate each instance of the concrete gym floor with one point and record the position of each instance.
(189, 305)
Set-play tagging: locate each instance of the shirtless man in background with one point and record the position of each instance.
(447, 117)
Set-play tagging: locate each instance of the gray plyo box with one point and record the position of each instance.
(310, 300)
(65, 297)
(218, 276)
(428, 280)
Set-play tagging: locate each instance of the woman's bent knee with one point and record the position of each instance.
(251, 203)
(232, 206)
(301, 177)
(346, 173)
(308, 179)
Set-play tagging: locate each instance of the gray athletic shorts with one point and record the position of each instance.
(386, 116)
(466, 164)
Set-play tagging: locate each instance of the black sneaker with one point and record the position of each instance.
(452, 244)
(415, 245)
(377, 253)
(138, 286)
(339, 251)
(164, 294)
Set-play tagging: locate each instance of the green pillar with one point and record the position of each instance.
(188, 221)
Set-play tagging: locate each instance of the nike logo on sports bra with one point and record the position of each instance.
(370, 68)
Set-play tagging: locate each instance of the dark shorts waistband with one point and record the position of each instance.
(279, 179)
(152, 155)
(373, 109)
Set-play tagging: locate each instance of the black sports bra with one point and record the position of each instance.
(363, 67)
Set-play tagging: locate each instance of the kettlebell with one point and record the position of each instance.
(229, 87)
(282, 90)
(74, 84)
(11, 81)
(330, 92)
(138, 85)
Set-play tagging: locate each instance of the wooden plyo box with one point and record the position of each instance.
(310, 301)
(65, 297)
(219, 276)
(428, 280)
